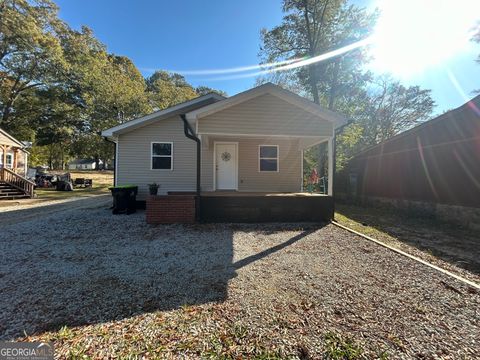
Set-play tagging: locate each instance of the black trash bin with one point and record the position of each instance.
(124, 199)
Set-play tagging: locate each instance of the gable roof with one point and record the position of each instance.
(162, 114)
(274, 90)
(19, 143)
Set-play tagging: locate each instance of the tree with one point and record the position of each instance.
(60, 87)
(476, 38)
(378, 108)
(385, 109)
(30, 52)
(204, 90)
(109, 90)
(313, 27)
(167, 89)
(392, 108)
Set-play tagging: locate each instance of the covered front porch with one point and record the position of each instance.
(260, 164)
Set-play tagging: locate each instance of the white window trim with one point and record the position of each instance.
(268, 158)
(9, 164)
(152, 156)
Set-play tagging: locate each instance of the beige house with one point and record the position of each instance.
(13, 154)
(252, 142)
(13, 168)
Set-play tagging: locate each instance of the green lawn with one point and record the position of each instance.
(102, 180)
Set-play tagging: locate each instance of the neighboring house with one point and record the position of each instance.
(250, 143)
(13, 168)
(434, 166)
(84, 164)
(13, 154)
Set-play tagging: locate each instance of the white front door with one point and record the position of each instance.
(226, 166)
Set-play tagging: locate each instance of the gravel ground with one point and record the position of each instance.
(103, 286)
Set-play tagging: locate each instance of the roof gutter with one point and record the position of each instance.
(189, 133)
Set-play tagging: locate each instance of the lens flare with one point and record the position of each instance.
(281, 66)
(234, 69)
(412, 36)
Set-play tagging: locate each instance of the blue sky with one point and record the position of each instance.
(194, 35)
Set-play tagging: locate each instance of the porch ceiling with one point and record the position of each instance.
(304, 142)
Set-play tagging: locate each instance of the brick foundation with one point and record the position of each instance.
(169, 209)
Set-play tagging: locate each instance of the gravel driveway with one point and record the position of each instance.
(100, 285)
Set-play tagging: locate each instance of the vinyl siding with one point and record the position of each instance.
(21, 160)
(207, 167)
(134, 158)
(265, 115)
(287, 179)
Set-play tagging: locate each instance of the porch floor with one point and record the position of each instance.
(261, 194)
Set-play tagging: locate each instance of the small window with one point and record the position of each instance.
(268, 157)
(162, 155)
(9, 161)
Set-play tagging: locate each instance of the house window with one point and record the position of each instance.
(268, 157)
(9, 163)
(162, 155)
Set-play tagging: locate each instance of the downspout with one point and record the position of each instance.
(189, 133)
(114, 159)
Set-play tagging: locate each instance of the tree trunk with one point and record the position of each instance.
(333, 85)
(50, 157)
(97, 162)
(63, 158)
(313, 84)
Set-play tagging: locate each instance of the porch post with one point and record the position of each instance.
(330, 167)
(302, 157)
(14, 162)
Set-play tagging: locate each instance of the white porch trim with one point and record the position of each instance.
(330, 167)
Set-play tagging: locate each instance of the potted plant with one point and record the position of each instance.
(153, 188)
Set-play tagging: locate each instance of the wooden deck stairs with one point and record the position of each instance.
(14, 186)
(8, 192)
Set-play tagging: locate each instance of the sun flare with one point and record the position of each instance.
(414, 35)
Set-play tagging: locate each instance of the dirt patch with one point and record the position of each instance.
(451, 247)
(37, 210)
